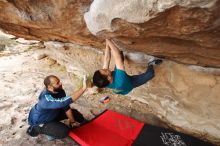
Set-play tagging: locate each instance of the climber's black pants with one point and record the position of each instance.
(138, 80)
(56, 128)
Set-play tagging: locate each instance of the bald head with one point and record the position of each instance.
(51, 79)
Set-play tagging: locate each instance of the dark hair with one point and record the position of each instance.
(47, 80)
(100, 80)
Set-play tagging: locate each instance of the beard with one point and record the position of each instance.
(58, 89)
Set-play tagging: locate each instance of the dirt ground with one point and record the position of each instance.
(23, 69)
(21, 81)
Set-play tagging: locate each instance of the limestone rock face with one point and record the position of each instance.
(186, 31)
(184, 97)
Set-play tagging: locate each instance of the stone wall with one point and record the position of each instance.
(182, 97)
(186, 31)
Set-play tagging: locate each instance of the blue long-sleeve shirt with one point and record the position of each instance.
(49, 107)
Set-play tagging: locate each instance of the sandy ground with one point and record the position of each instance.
(21, 81)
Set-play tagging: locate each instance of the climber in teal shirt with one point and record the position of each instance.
(118, 80)
(121, 83)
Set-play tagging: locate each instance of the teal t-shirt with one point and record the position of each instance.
(121, 82)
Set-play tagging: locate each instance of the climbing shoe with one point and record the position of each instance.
(155, 62)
